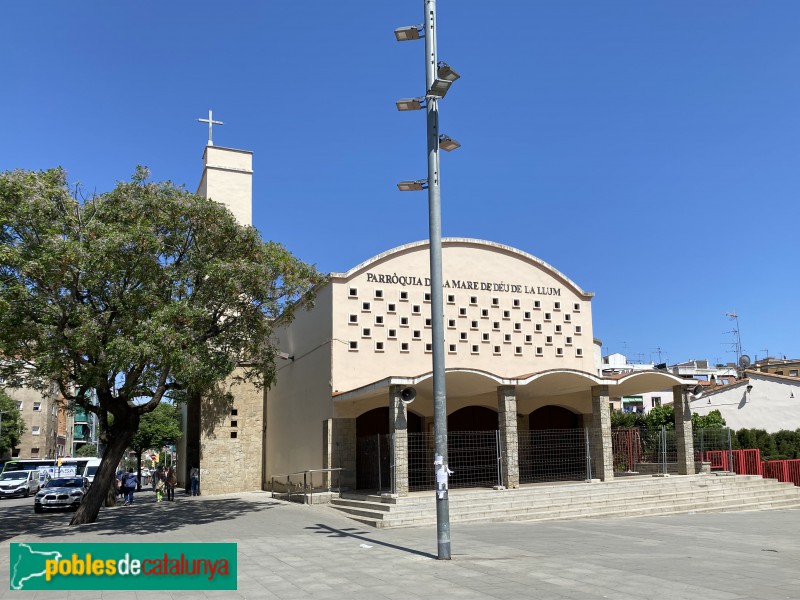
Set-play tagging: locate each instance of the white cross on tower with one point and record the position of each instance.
(211, 122)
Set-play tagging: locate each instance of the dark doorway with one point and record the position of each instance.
(554, 447)
(553, 417)
(373, 449)
(472, 418)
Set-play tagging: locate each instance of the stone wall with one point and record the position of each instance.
(231, 441)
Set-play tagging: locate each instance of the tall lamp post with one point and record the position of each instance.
(438, 79)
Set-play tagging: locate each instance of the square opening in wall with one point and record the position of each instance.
(507, 338)
(529, 339)
(366, 332)
(539, 351)
(403, 321)
(537, 304)
(497, 350)
(495, 301)
(392, 333)
(462, 312)
(496, 325)
(451, 299)
(576, 307)
(353, 292)
(427, 322)
(474, 325)
(558, 328)
(353, 345)
(475, 349)
(453, 349)
(506, 314)
(403, 295)
(567, 318)
(548, 339)
(517, 326)
(378, 294)
(484, 313)
(578, 329)
(568, 341)
(559, 352)
(557, 306)
(537, 328)
(578, 352)
(234, 434)
(526, 315)
(515, 303)
(463, 336)
(378, 346)
(234, 412)
(234, 423)
(427, 297)
(365, 306)
(391, 307)
(518, 350)
(378, 319)
(451, 323)
(353, 319)
(473, 300)
(417, 334)
(404, 347)
(428, 347)
(547, 316)
(416, 309)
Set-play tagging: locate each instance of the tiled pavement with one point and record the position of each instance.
(292, 551)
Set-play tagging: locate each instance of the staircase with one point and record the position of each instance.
(623, 497)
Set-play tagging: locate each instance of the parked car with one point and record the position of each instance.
(19, 483)
(91, 469)
(62, 492)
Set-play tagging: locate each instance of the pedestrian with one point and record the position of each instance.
(172, 481)
(120, 477)
(158, 484)
(195, 477)
(129, 485)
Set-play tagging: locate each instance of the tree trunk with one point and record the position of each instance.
(104, 479)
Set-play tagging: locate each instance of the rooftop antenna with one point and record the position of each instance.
(737, 343)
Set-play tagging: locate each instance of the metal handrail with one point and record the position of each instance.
(308, 480)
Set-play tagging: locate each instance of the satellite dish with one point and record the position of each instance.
(408, 394)
(744, 361)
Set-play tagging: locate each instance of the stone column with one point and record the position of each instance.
(398, 427)
(509, 442)
(339, 443)
(684, 440)
(600, 435)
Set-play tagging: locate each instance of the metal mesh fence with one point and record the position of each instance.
(472, 456)
(646, 450)
(553, 455)
(373, 463)
(713, 444)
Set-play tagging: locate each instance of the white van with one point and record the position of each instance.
(91, 469)
(19, 483)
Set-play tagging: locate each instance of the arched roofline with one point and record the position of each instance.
(526, 379)
(627, 377)
(467, 242)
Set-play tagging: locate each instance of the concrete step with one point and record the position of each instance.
(626, 498)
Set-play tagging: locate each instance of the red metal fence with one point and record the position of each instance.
(745, 462)
(783, 470)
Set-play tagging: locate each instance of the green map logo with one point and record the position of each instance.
(85, 566)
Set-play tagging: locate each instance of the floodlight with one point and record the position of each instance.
(411, 32)
(445, 72)
(439, 87)
(412, 186)
(410, 103)
(447, 143)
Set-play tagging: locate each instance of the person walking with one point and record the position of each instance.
(195, 480)
(129, 484)
(172, 481)
(158, 484)
(120, 479)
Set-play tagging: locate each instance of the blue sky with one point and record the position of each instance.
(648, 150)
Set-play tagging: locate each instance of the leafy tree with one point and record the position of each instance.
(87, 450)
(11, 424)
(135, 296)
(712, 419)
(156, 429)
(659, 416)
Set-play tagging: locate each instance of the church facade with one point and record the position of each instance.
(520, 360)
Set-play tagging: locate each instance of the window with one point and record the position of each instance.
(462, 312)
(496, 326)
(517, 326)
(576, 307)
(234, 434)
(365, 306)
(484, 313)
(451, 299)
(539, 351)
(378, 294)
(547, 316)
(392, 334)
(529, 339)
(416, 309)
(578, 329)
(378, 346)
(473, 300)
(416, 334)
(427, 322)
(234, 412)
(391, 307)
(475, 349)
(507, 338)
(353, 345)
(506, 314)
(793, 373)
(518, 350)
(37, 406)
(452, 349)
(515, 303)
(567, 318)
(404, 296)
(485, 337)
(558, 328)
(378, 319)
(495, 301)
(474, 325)
(34, 451)
(19, 404)
(537, 328)
(427, 297)
(537, 304)
(366, 332)
(526, 315)
(568, 342)
(353, 319)
(557, 306)
(404, 347)
(578, 352)
(35, 430)
(497, 349)
(234, 423)
(403, 321)
(655, 401)
(463, 336)
(353, 293)
(559, 352)
(451, 323)
(428, 347)
(548, 339)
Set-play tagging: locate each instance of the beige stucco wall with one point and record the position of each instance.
(228, 179)
(46, 419)
(490, 290)
(300, 400)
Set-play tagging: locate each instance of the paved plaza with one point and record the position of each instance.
(293, 551)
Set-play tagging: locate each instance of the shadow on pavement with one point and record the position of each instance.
(353, 532)
(171, 516)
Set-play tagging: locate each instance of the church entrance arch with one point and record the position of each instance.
(554, 447)
(373, 447)
(472, 447)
